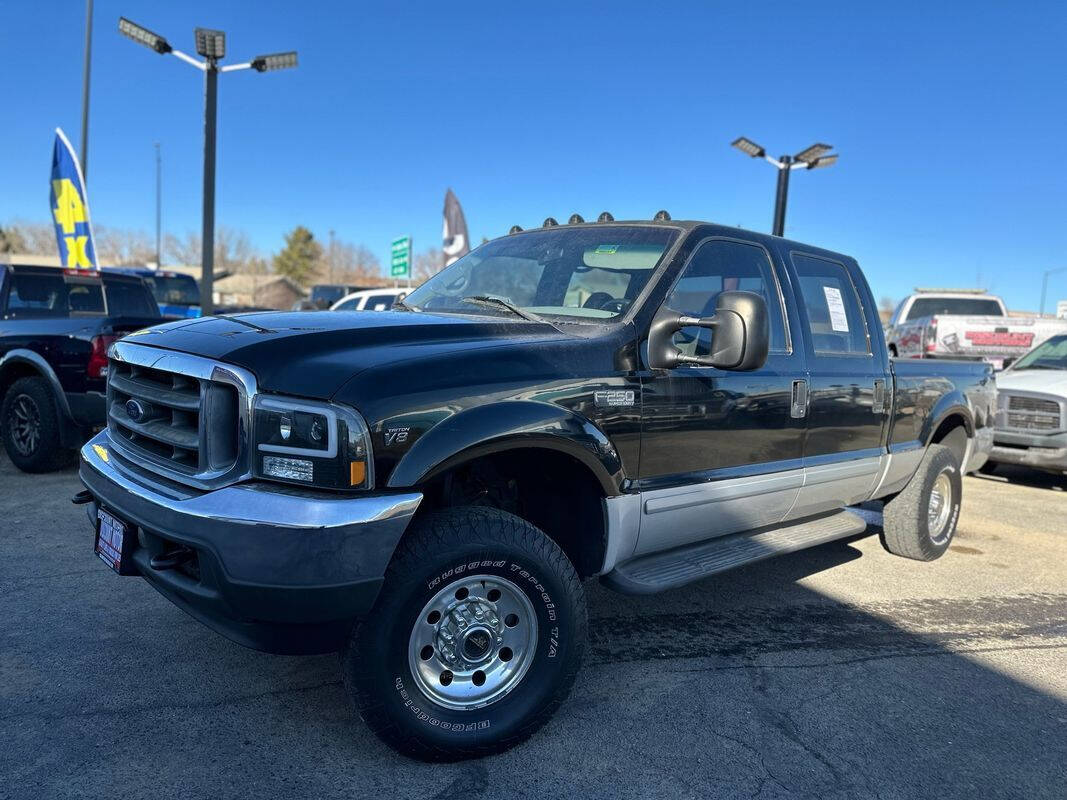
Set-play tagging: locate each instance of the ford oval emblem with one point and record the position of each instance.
(135, 411)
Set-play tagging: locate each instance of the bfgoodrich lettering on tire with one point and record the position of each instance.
(475, 639)
(920, 522)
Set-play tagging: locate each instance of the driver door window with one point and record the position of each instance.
(720, 266)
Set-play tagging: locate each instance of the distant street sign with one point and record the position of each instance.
(400, 258)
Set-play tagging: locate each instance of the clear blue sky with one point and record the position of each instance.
(950, 119)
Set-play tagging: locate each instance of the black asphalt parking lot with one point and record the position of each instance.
(840, 672)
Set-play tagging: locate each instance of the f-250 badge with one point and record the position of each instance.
(614, 398)
(394, 436)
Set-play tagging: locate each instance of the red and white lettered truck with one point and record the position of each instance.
(964, 324)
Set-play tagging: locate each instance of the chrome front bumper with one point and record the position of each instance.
(277, 568)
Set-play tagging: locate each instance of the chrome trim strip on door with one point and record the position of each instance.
(705, 511)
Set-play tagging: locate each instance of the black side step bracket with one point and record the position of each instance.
(659, 571)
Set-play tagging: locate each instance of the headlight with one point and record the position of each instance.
(315, 444)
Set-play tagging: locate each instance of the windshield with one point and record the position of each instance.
(961, 306)
(590, 275)
(1048, 355)
(174, 290)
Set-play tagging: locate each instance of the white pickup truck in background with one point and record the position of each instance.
(964, 324)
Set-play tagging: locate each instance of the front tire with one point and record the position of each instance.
(475, 639)
(920, 522)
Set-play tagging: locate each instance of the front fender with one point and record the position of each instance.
(507, 425)
(36, 361)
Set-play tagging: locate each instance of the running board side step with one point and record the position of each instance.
(659, 571)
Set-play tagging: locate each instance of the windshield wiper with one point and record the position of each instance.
(403, 306)
(503, 302)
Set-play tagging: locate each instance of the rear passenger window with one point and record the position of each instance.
(129, 299)
(835, 314)
(85, 298)
(720, 266)
(37, 295)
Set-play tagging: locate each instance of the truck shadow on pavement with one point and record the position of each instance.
(1010, 473)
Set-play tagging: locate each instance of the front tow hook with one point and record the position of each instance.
(82, 497)
(172, 559)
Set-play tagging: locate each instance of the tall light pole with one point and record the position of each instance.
(211, 45)
(1044, 286)
(85, 89)
(810, 158)
(159, 208)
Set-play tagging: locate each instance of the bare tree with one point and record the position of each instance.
(427, 264)
(123, 247)
(11, 240)
(353, 264)
(233, 251)
(31, 238)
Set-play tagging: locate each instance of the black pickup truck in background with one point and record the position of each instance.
(426, 488)
(55, 328)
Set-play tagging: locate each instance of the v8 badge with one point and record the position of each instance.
(395, 436)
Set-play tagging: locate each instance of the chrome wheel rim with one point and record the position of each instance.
(940, 508)
(473, 642)
(25, 424)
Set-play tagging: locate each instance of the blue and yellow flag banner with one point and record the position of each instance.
(70, 208)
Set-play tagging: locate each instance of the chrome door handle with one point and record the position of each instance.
(799, 407)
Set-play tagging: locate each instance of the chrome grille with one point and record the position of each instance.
(184, 417)
(167, 407)
(1033, 413)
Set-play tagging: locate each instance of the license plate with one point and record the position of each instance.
(111, 534)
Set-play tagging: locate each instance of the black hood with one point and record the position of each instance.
(313, 353)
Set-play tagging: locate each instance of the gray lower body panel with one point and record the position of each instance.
(682, 565)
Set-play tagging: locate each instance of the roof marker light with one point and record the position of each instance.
(576, 219)
(549, 222)
(514, 229)
(605, 216)
(662, 216)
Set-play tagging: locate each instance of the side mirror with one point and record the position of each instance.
(741, 334)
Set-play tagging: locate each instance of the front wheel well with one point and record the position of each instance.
(15, 370)
(548, 488)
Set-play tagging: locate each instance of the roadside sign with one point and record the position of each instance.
(400, 258)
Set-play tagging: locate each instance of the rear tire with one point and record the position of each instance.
(475, 639)
(30, 424)
(920, 522)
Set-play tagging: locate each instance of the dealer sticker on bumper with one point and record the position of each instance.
(110, 533)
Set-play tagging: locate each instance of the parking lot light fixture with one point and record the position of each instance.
(748, 147)
(810, 154)
(144, 36)
(823, 161)
(813, 157)
(274, 61)
(211, 45)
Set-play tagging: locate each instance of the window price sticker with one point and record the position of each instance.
(836, 305)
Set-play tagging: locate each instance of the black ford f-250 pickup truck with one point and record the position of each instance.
(425, 489)
(55, 328)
